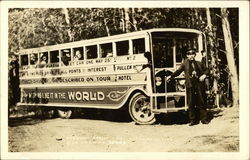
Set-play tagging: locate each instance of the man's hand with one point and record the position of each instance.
(137, 70)
(168, 78)
(202, 77)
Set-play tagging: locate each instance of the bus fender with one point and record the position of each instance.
(130, 94)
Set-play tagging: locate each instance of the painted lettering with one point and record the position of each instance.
(125, 77)
(78, 95)
(89, 62)
(89, 79)
(99, 61)
(103, 78)
(86, 96)
(97, 69)
(93, 96)
(100, 96)
(75, 71)
(71, 95)
(128, 67)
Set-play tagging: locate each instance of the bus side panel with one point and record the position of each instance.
(111, 97)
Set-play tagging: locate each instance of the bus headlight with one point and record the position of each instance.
(158, 81)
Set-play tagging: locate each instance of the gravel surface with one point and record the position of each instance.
(92, 134)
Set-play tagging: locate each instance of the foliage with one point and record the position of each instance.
(36, 27)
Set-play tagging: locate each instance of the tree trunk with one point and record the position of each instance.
(127, 22)
(134, 20)
(230, 56)
(45, 30)
(213, 64)
(106, 26)
(67, 20)
(122, 23)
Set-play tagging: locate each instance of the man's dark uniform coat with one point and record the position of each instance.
(194, 88)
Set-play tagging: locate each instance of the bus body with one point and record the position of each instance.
(110, 72)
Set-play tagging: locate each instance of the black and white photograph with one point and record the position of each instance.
(125, 80)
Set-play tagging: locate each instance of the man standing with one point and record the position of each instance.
(195, 73)
(14, 79)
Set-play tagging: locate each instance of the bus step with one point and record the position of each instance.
(162, 110)
(170, 94)
(166, 110)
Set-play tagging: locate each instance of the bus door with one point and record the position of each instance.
(166, 97)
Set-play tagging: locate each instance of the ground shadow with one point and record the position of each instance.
(181, 117)
(27, 120)
(172, 118)
(214, 113)
(120, 115)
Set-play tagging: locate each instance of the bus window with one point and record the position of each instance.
(163, 53)
(78, 54)
(54, 56)
(33, 58)
(66, 56)
(91, 52)
(106, 50)
(138, 46)
(24, 60)
(44, 58)
(122, 48)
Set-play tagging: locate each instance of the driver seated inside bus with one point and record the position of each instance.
(78, 55)
(66, 57)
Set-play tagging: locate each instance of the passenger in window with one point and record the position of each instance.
(66, 57)
(78, 56)
(43, 60)
(33, 59)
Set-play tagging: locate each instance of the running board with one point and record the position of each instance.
(168, 102)
(166, 110)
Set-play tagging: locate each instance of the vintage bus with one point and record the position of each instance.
(126, 70)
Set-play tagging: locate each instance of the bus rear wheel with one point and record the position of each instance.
(47, 113)
(64, 113)
(139, 109)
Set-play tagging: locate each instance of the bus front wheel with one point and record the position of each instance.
(64, 113)
(139, 109)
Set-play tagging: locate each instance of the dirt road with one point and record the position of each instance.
(101, 135)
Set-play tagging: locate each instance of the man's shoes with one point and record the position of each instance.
(204, 122)
(192, 123)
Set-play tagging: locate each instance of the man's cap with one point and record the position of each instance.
(66, 51)
(190, 51)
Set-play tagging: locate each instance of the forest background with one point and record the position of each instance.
(36, 27)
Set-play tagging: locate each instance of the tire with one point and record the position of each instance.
(64, 113)
(139, 110)
(47, 113)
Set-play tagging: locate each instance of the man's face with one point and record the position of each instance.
(67, 54)
(44, 58)
(32, 57)
(78, 54)
(191, 54)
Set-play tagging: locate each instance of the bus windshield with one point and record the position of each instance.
(168, 47)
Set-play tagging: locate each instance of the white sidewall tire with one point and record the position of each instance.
(137, 115)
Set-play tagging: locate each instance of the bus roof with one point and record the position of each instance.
(102, 40)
